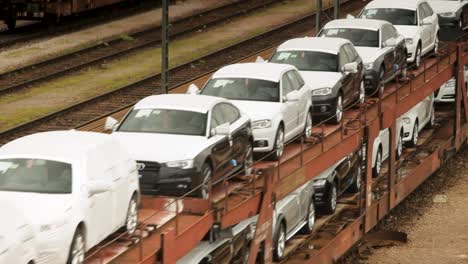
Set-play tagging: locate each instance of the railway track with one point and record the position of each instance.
(29, 76)
(85, 111)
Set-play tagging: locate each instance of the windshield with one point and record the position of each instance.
(308, 60)
(396, 16)
(243, 89)
(35, 175)
(359, 37)
(165, 121)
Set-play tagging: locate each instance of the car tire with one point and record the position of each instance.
(310, 220)
(362, 94)
(380, 87)
(248, 160)
(414, 138)
(332, 196)
(77, 251)
(432, 120)
(435, 50)
(338, 116)
(418, 56)
(131, 220)
(308, 124)
(399, 148)
(278, 148)
(279, 242)
(378, 163)
(357, 183)
(460, 22)
(204, 188)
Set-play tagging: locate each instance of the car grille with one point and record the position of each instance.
(149, 173)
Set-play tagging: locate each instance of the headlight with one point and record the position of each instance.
(409, 41)
(368, 66)
(182, 164)
(320, 182)
(406, 120)
(447, 14)
(322, 91)
(266, 123)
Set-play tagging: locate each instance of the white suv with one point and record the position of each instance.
(274, 96)
(414, 19)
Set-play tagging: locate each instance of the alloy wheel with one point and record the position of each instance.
(339, 109)
(281, 243)
(378, 162)
(362, 93)
(280, 143)
(249, 160)
(132, 216)
(333, 198)
(311, 216)
(205, 192)
(415, 134)
(308, 125)
(78, 250)
(418, 56)
(400, 146)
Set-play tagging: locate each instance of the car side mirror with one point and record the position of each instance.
(222, 130)
(391, 42)
(111, 123)
(193, 89)
(426, 21)
(259, 59)
(98, 187)
(293, 96)
(351, 67)
(349, 16)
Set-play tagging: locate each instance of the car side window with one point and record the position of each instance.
(427, 9)
(230, 112)
(343, 57)
(299, 78)
(287, 85)
(349, 53)
(386, 33)
(421, 13)
(393, 31)
(296, 84)
(217, 116)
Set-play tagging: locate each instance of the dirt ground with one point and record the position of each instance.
(15, 57)
(437, 231)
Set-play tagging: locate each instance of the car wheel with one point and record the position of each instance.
(279, 242)
(336, 119)
(131, 221)
(418, 55)
(308, 125)
(399, 149)
(77, 250)
(378, 163)
(414, 139)
(356, 186)
(330, 203)
(310, 221)
(460, 22)
(279, 144)
(206, 174)
(362, 93)
(435, 51)
(249, 160)
(432, 120)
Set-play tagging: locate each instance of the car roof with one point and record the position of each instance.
(264, 71)
(404, 4)
(370, 24)
(186, 102)
(61, 145)
(329, 45)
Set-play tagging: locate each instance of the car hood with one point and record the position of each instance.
(368, 54)
(445, 6)
(154, 147)
(258, 110)
(320, 79)
(407, 31)
(39, 208)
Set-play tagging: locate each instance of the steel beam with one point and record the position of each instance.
(165, 47)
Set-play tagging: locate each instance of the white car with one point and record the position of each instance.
(414, 19)
(450, 11)
(416, 119)
(379, 44)
(75, 188)
(333, 70)
(17, 238)
(274, 96)
(197, 138)
(446, 93)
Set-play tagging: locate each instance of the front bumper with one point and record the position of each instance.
(446, 93)
(264, 139)
(160, 180)
(323, 106)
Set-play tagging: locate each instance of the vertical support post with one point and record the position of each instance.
(392, 161)
(318, 13)
(336, 9)
(458, 97)
(165, 46)
(168, 246)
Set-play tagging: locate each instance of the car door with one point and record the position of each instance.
(221, 148)
(289, 208)
(290, 108)
(389, 52)
(298, 83)
(434, 19)
(399, 49)
(424, 29)
(356, 78)
(347, 80)
(239, 131)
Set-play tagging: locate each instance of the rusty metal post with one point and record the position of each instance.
(458, 98)
(165, 46)
(336, 9)
(318, 13)
(392, 161)
(168, 247)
